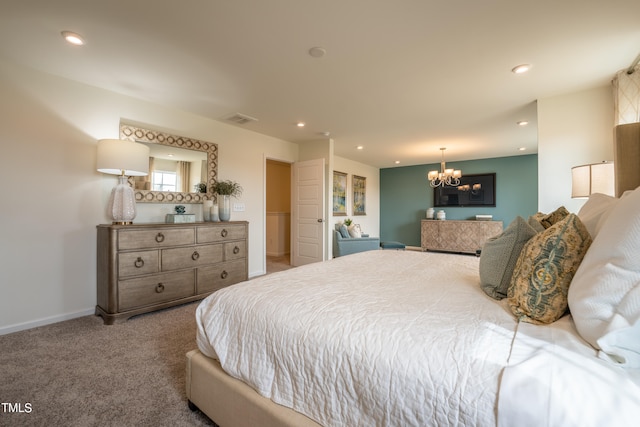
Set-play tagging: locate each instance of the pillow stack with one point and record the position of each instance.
(533, 262)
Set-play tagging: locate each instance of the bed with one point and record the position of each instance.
(404, 338)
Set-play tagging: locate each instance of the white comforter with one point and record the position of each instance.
(380, 338)
(555, 378)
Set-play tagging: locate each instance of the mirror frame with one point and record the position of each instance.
(135, 133)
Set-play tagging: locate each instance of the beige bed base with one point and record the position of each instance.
(230, 402)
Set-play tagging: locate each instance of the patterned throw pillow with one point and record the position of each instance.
(355, 231)
(544, 270)
(555, 216)
(344, 233)
(499, 255)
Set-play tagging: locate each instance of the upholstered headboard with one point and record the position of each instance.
(626, 157)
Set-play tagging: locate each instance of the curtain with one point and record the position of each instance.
(626, 94)
(183, 172)
(147, 179)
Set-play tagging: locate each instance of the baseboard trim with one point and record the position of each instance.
(4, 330)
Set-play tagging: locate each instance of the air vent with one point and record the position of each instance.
(241, 119)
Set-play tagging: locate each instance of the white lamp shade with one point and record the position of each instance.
(594, 178)
(118, 157)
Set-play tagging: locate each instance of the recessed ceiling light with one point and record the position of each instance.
(359, 147)
(73, 38)
(300, 124)
(522, 148)
(522, 68)
(522, 123)
(397, 162)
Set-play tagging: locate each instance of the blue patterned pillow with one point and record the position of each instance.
(344, 232)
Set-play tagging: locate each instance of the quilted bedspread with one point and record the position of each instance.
(379, 338)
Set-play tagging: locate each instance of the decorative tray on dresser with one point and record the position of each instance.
(147, 267)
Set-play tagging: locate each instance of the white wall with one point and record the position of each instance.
(53, 198)
(573, 129)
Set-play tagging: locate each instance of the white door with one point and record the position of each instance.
(307, 222)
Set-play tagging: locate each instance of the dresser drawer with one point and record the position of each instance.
(137, 263)
(155, 238)
(189, 257)
(150, 290)
(222, 232)
(210, 279)
(235, 250)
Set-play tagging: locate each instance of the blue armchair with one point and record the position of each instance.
(350, 245)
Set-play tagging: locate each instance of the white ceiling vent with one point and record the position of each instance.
(241, 119)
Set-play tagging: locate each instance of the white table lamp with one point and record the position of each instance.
(123, 158)
(593, 178)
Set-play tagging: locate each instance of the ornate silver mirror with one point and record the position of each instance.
(181, 170)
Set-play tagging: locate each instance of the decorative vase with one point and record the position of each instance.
(225, 208)
(206, 210)
(430, 213)
(441, 215)
(215, 214)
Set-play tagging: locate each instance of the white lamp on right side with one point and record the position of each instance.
(592, 178)
(123, 158)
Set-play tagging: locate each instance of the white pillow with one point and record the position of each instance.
(595, 211)
(354, 231)
(604, 296)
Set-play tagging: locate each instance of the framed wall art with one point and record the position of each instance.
(359, 195)
(339, 193)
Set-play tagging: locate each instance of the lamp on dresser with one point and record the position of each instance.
(123, 158)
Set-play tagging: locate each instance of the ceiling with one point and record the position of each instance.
(400, 78)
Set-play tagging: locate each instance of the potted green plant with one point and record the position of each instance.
(200, 187)
(226, 189)
(347, 222)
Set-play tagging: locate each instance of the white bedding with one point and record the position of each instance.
(555, 378)
(380, 338)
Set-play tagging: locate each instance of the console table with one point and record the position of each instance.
(457, 236)
(147, 267)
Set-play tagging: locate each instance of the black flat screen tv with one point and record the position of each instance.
(474, 190)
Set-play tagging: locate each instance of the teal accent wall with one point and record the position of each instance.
(405, 194)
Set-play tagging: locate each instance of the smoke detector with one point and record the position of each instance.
(241, 119)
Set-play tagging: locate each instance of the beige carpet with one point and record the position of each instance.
(82, 373)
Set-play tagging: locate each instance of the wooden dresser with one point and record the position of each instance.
(147, 267)
(457, 236)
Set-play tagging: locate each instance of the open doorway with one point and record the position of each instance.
(278, 216)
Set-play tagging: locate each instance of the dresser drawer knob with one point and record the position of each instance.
(236, 250)
(159, 237)
(159, 288)
(195, 255)
(224, 232)
(139, 263)
(224, 274)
